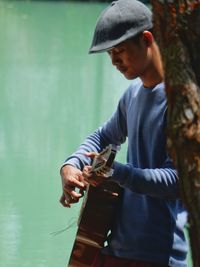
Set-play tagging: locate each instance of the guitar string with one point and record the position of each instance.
(72, 222)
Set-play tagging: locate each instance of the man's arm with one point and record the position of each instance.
(112, 132)
(159, 182)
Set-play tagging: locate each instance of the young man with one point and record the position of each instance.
(148, 230)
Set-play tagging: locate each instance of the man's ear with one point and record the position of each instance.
(148, 38)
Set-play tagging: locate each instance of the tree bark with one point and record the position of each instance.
(177, 30)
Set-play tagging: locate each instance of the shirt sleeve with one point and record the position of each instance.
(160, 182)
(114, 131)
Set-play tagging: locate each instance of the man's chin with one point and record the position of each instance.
(129, 76)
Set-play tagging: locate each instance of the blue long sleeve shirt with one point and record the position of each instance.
(151, 218)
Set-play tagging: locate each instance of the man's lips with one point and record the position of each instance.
(121, 69)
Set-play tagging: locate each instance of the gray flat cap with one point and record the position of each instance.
(120, 21)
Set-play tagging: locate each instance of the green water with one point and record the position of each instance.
(52, 95)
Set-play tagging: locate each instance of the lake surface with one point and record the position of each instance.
(52, 95)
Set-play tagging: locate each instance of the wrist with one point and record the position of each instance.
(65, 166)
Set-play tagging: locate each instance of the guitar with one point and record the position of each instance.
(97, 213)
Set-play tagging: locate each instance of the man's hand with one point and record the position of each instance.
(72, 179)
(95, 178)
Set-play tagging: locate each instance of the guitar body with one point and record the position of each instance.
(97, 215)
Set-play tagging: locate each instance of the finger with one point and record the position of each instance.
(89, 178)
(74, 182)
(92, 180)
(98, 179)
(74, 200)
(91, 154)
(88, 175)
(82, 192)
(69, 199)
(94, 183)
(101, 173)
(64, 202)
(68, 190)
(86, 185)
(87, 168)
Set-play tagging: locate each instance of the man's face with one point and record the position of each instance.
(130, 58)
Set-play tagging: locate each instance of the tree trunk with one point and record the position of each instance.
(177, 29)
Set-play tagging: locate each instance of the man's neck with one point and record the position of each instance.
(154, 73)
(152, 81)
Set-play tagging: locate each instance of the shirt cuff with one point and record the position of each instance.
(73, 162)
(120, 173)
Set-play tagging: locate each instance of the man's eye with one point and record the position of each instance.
(119, 50)
(116, 51)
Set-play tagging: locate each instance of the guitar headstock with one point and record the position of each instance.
(104, 159)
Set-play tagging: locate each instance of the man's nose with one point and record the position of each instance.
(115, 59)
